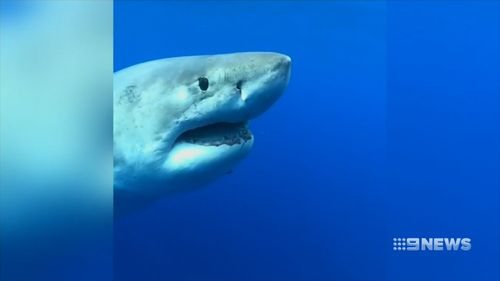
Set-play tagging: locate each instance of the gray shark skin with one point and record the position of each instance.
(182, 122)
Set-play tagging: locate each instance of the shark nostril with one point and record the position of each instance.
(239, 84)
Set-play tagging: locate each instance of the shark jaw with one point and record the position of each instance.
(217, 134)
(200, 154)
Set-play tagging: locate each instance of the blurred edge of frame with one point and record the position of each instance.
(56, 73)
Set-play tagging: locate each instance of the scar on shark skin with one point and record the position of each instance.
(130, 94)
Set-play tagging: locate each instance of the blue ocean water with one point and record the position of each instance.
(389, 128)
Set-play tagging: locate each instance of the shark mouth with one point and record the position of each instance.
(217, 134)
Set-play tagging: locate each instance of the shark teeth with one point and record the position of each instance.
(218, 134)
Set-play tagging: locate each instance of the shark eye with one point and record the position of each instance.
(203, 83)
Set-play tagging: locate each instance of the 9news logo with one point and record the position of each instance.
(431, 244)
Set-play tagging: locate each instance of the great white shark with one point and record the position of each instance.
(181, 122)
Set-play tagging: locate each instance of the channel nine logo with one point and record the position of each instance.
(431, 244)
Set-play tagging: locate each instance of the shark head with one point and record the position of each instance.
(181, 122)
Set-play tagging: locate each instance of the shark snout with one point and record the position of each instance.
(284, 61)
(270, 83)
(279, 72)
(285, 65)
(282, 65)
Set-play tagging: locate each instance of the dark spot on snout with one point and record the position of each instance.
(203, 83)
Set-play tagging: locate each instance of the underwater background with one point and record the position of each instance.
(389, 128)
